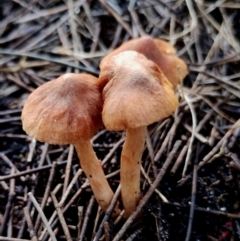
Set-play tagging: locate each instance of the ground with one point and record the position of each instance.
(41, 40)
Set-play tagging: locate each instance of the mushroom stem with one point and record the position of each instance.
(94, 172)
(130, 168)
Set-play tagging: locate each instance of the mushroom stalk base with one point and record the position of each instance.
(130, 168)
(94, 172)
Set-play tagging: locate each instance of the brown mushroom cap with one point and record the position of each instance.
(164, 47)
(137, 93)
(172, 67)
(64, 110)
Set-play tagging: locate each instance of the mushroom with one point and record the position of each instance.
(136, 94)
(160, 52)
(164, 47)
(67, 110)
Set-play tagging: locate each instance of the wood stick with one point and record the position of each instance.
(46, 194)
(61, 218)
(30, 224)
(68, 168)
(33, 170)
(108, 213)
(8, 208)
(43, 217)
(86, 218)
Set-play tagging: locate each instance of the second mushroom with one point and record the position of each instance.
(136, 94)
(68, 110)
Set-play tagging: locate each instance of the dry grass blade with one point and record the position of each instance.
(8, 209)
(45, 57)
(68, 168)
(30, 224)
(86, 218)
(13, 239)
(194, 125)
(213, 152)
(107, 214)
(164, 199)
(46, 194)
(61, 217)
(117, 17)
(33, 170)
(43, 217)
(193, 197)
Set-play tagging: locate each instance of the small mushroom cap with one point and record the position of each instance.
(172, 67)
(137, 93)
(164, 47)
(65, 110)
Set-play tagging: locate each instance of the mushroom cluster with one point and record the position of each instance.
(134, 89)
